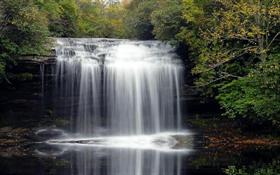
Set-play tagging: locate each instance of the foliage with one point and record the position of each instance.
(98, 20)
(138, 19)
(159, 19)
(84, 18)
(66, 25)
(116, 15)
(23, 31)
(27, 25)
(264, 169)
(228, 32)
(23, 26)
(167, 20)
(26, 76)
(236, 49)
(62, 16)
(88, 19)
(256, 95)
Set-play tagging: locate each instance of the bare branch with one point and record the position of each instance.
(274, 38)
(231, 75)
(226, 61)
(213, 81)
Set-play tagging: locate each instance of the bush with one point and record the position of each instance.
(23, 31)
(257, 95)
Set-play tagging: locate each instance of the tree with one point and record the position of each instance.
(138, 19)
(236, 46)
(116, 14)
(99, 19)
(66, 25)
(23, 31)
(256, 96)
(167, 20)
(243, 31)
(88, 18)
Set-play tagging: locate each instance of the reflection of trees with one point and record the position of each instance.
(259, 168)
(221, 158)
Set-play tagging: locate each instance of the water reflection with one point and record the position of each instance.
(88, 161)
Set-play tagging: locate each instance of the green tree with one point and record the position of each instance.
(256, 96)
(116, 14)
(98, 19)
(138, 19)
(66, 25)
(89, 15)
(62, 16)
(167, 20)
(233, 42)
(239, 30)
(23, 31)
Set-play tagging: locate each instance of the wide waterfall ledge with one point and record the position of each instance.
(120, 94)
(163, 142)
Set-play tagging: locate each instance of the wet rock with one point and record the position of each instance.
(13, 135)
(38, 58)
(15, 151)
(184, 141)
(49, 133)
(14, 141)
(90, 47)
(4, 130)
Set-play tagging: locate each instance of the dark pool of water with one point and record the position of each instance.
(59, 160)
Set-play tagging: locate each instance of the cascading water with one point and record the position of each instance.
(120, 87)
(123, 101)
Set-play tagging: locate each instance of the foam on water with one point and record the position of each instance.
(165, 142)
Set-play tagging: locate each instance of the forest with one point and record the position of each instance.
(232, 46)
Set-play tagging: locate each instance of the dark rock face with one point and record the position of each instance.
(30, 68)
(195, 105)
(22, 100)
(26, 105)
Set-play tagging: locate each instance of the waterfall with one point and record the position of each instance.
(42, 75)
(118, 87)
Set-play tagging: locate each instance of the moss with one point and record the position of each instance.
(199, 122)
(49, 112)
(62, 163)
(204, 123)
(21, 77)
(61, 122)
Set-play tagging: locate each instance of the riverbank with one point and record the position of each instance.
(226, 134)
(213, 134)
